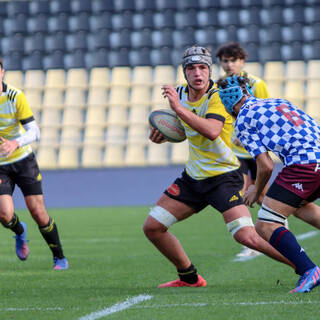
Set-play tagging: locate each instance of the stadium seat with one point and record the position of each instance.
(13, 61)
(253, 51)
(140, 96)
(47, 157)
(294, 51)
(121, 76)
(295, 70)
(98, 59)
(53, 98)
(180, 79)
(119, 58)
(142, 75)
(103, 21)
(144, 20)
(81, 6)
(50, 136)
(13, 44)
(56, 41)
(50, 117)
(208, 18)
(91, 155)
(34, 79)
(138, 133)
(38, 23)
(77, 78)
(229, 17)
(68, 157)
(157, 100)
(207, 37)
(123, 21)
(254, 68)
(138, 114)
(275, 88)
(274, 70)
(120, 39)
(60, 6)
(96, 115)
(165, 19)
(313, 90)
(55, 79)
(38, 8)
(164, 75)
(75, 97)
(140, 57)
(184, 38)
(99, 40)
(179, 153)
(141, 39)
(113, 155)
(72, 116)
(77, 41)
(14, 78)
(166, 4)
(274, 15)
(158, 154)
(75, 60)
(119, 96)
(250, 16)
(186, 19)
(34, 98)
(117, 115)
(54, 60)
(34, 61)
(100, 7)
(97, 97)
(15, 8)
(80, 22)
(294, 92)
(188, 4)
(34, 43)
(312, 109)
(135, 154)
(59, 23)
(315, 50)
(313, 69)
(99, 78)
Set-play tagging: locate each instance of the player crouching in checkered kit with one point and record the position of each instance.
(277, 125)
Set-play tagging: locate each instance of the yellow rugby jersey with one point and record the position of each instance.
(208, 158)
(14, 111)
(259, 90)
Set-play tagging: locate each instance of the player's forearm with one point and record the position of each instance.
(32, 134)
(264, 172)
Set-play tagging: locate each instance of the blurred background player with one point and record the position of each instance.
(232, 58)
(278, 126)
(18, 166)
(211, 175)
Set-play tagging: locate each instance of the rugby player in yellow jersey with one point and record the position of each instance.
(18, 166)
(211, 175)
(232, 59)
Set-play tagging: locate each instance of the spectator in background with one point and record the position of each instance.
(18, 166)
(232, 58)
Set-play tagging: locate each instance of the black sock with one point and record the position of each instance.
(50, 234)
(188, 275)
(14, 225)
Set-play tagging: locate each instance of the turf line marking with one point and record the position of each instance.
(219, 304)
(116, 307)
(300, 237)
(32, 309)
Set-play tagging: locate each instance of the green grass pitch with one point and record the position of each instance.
(112, 261)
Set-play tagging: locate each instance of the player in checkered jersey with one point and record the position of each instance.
(278, 126)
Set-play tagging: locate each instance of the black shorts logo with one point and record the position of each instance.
(174, 189)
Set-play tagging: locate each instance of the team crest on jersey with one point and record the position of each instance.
(298, 186)
(174, 189)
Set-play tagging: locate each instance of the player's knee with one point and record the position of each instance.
(158, 221)
(240, 224)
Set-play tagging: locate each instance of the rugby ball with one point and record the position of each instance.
(167, 122)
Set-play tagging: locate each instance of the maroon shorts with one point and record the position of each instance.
(302, 180)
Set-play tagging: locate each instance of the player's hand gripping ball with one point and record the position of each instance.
(167, 122)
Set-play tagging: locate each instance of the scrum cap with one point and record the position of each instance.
(231, 92)
(195, 55)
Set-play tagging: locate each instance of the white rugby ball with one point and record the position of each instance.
(167, 122)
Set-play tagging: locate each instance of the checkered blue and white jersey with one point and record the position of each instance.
(279, 126)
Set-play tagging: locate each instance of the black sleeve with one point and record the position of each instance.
(216, 116)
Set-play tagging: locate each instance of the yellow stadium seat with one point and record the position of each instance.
(55, 79)
(99, 78)
(142, 76)
(119, 96)
(275, 88)
(313, 70)
(51, 117)
(121, 76)
(97, 97)
(253, 68)
(47, 157)
(113, 155)
(53, 98)
(77, 78)
(75, 97)
(180, 152)
(71, 136)
(295, 70)
(274, 70)
(72, 117)
(158, 154)
(294, 92)
(139, 115)
(136, 154)
(50, 136)
(34, 98)
(116, 134)
(157, 100)
(312, 109)
(14, 78)
(91, 156)
(117, 115)
(96, 116)
(140, 96)
(313, 89)
(94, 135)
(34, 79)
(138, 133)
(68, 157)
(164, 75)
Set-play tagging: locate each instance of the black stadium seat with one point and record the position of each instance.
(37, 7)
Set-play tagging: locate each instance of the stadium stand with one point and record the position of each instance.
(103, 62)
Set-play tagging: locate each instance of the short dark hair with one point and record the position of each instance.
(1, 64)
(231, 49)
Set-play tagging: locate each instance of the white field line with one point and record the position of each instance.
(300, 237)
(31, 309)
(116, 307)
(199, 305)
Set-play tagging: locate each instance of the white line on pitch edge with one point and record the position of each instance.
(300, 237)
(116, 307)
